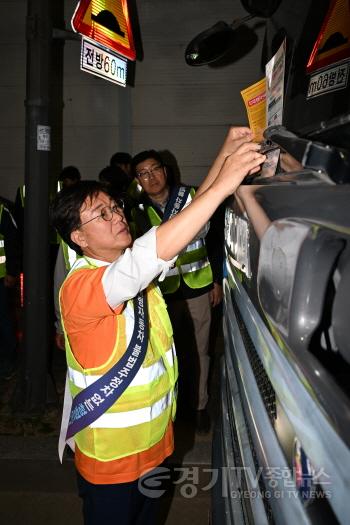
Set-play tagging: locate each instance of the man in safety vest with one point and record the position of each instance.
(191, 288)
(10, 260)
(122, 367)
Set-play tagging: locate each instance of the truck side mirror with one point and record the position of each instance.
(213, 43)
(261, 8)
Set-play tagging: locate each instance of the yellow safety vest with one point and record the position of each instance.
(2, 250)
(139, 418)
(22, 192)
(192, 264)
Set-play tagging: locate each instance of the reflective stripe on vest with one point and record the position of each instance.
(188, 268)
(193, 259)
(145, 375)
(23, 194)
(2, 250)
(140, 417)
(134, 417)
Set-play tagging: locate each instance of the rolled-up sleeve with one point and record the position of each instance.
(134, 270)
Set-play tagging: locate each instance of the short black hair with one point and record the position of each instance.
(70, 172)
(115, 177)
(144, 155)
(66, 207)
(120, 158)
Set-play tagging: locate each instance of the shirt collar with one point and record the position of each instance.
(96, 262)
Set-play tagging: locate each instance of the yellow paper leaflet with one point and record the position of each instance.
(255, 102)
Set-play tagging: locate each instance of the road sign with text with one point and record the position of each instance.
(97, 60)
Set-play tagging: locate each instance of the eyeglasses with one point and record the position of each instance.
(107, 211)
(144, 175)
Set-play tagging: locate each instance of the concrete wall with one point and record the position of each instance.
(172, 106)
(186, 110)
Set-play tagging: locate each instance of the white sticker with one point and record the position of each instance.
(43, 138)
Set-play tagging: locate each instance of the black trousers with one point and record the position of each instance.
(116, 504)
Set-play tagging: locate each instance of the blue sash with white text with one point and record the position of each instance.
(97, 398)
(176, 202)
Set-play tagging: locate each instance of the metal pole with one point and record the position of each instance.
(125, 120)
(36, 214)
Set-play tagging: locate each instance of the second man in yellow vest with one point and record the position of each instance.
(190, 288)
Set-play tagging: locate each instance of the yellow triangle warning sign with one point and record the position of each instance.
(333, 41)
(106, 22)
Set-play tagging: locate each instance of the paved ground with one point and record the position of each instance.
(35, 489)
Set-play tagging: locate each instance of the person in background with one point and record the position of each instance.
(69, 176)
(190, 288)
(10, 266)
(117, 183)
(119, 337)
(115, 178)
(123, 160)
(18, 210)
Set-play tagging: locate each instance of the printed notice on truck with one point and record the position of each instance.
(274, 71)
(274, 103)
(255, 103)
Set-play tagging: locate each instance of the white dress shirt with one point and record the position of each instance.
(133, 270)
